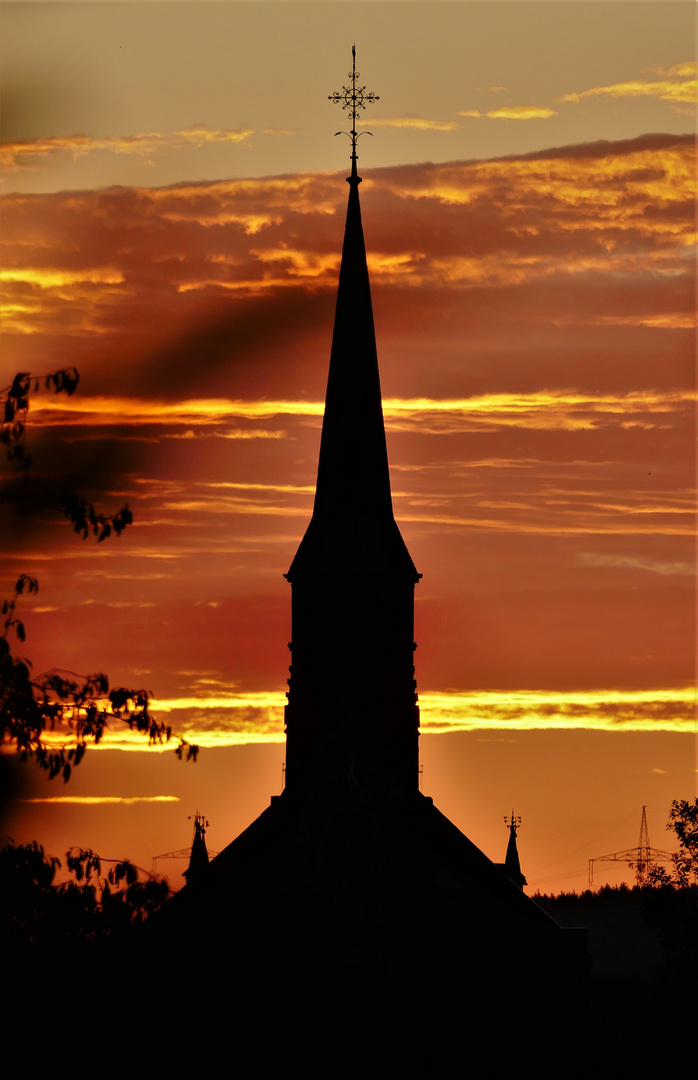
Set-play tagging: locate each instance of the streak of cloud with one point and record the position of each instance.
(567, 410)
(411, 122)
(14, 155)
(678, 86)
(634, 562)
(234, 719)
(512, 112)
(104, 800)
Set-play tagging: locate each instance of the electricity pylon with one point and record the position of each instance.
(640, 858)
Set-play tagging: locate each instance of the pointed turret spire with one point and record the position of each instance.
(198, 859)
(512, 866)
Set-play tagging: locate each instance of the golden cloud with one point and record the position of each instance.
(57, 279)
(621, 209)
(272, 198)
(412, 122)
(678, 86)
(564, 410)
(619, 185)
(674, 320)
(513, 112)
(104, 800)
(234, 719)
(301, 264)
(689, 67)
(15, 154)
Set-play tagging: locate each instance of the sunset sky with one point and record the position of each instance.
(174, 204)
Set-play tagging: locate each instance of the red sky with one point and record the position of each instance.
(534, 312)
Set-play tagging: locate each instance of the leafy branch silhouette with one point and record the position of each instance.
(26, 494)
(77, 708)
(683, 822)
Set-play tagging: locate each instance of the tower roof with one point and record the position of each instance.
(198, 859)
(512, 865)
(352, 529)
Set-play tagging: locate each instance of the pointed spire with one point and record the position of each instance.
(353, 528)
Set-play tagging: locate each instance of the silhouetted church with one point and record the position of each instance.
(352, 897)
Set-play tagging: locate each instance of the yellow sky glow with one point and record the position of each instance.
(234, 719)
(109, 800)
(566, 410)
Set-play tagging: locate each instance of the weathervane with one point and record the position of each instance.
(354, 98)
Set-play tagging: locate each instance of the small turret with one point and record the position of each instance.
(198, 859)
(511, 865)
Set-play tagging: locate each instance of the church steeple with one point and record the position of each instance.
(352, 704)
(352, 527)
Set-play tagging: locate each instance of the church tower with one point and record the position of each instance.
(352, 714)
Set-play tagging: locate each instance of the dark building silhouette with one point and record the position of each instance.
(351, 890)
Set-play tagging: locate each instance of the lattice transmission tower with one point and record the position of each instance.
(640, 858)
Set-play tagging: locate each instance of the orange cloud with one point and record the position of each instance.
(623, 209)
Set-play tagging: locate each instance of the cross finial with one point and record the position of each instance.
(353, 98)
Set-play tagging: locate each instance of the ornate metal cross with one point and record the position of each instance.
(353, 98)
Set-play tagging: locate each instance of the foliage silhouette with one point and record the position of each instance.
(89, 907)
(77, 708)
(28, 493)
(683, 822)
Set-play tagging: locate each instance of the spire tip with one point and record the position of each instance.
(354, 98)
